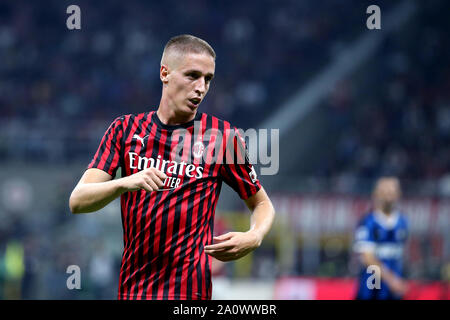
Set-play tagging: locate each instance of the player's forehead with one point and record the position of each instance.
(200, 62)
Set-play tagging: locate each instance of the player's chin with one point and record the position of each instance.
(192, 106)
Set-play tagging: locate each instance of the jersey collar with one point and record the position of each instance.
(387, 222)
(161, 125)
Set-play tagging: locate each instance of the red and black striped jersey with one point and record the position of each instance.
(165, 231)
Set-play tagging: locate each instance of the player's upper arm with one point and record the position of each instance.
(258, 198)
(364, 244)
(94, 175)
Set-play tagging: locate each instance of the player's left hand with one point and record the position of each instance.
(233, 245)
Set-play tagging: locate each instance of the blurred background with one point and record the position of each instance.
(351, 104)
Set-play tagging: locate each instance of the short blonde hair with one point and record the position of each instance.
(187, 43)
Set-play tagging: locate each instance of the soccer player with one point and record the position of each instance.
(379, 240)
(173, 162)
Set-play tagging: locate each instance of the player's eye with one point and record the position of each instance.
(192, 75)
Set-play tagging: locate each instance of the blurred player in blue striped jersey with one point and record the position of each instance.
(379, 241)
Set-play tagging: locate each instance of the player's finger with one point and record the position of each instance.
(160, 174)
(220, 246)
(223, 256)
(146, 187)
(151, 183)
(215, 253)
(157, 180)
(223, 237)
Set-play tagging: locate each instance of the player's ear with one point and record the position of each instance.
(163, 74)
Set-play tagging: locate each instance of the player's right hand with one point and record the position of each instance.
(150, 179)
(399, 286)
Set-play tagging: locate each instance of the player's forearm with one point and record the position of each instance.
(89, 197)
(262, 219)
(386, 275)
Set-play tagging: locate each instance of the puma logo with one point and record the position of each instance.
(139, 138)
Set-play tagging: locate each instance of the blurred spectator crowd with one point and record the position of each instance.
(393, 116)
(60, 88)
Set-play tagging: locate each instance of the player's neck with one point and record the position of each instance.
(168, 116)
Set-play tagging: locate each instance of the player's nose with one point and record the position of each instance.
(200, 86)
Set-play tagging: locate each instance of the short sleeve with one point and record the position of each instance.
(364, 237)
(107, 157)
(236, 170)
(406, 228)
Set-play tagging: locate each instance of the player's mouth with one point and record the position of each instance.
(194, 102)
